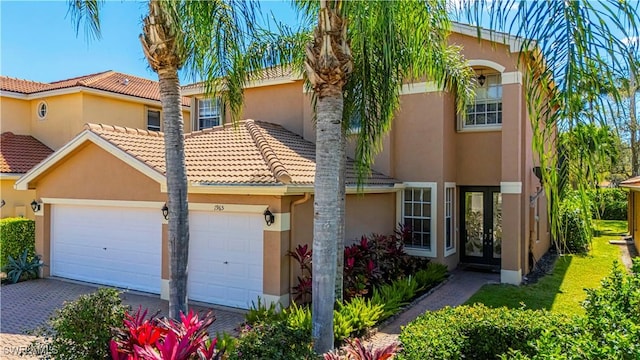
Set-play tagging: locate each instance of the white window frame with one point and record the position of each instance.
(449, 211)
(198, 116)
(46, 110)
(463, 127)
(159, 119)
(415, 251)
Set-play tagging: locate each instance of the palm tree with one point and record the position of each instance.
(355, 77)
(208, 38)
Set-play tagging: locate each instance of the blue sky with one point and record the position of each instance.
(38, 40)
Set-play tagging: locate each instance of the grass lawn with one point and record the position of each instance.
(562, 291)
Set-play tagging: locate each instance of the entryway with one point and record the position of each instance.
(481, 225)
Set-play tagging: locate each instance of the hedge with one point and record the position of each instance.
(609, 204)
(16, 235)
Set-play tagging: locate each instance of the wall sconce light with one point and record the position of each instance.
(35, 206)
(165, 211)
(2, 203)
(269, 218)
(481, 79)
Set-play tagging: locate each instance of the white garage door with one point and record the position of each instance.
(107, 245)
(225, 258)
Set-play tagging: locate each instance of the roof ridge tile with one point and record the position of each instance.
(121, 129)
(275, 165)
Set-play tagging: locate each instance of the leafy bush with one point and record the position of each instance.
(303, 256)
(610, 329)
(261, 313)
(16, 236)
(22, 268)
(361, 313)
(474, 332)
(81, 329)
(431, 276)
(609, 204)
(275, 341)
(575, 225)
(298, 317)
(151, 338)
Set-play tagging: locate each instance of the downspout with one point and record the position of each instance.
(306, 198)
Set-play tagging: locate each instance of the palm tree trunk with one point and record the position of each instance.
(326, 219)
(341, 217)
(176, 188)
(633, 124)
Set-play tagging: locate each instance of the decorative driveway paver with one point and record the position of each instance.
(25, 306)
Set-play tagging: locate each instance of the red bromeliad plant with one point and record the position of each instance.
(356, 350)
(154, 339)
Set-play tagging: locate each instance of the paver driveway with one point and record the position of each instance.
(26, 305)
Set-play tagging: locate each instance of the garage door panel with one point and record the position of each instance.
(225, 259)
(107, 245)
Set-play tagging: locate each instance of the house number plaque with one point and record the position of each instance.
(218, 207)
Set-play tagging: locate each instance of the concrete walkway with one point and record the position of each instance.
(460, 286)
(27, 305)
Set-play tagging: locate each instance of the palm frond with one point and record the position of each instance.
(86, 13)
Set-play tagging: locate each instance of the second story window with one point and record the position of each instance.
(208, 113)
(486, 112)
(153, 120)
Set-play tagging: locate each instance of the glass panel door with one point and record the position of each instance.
(481, 212)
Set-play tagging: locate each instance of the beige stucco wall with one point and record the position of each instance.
(17, 203)
(62, 122)
(15, 115)
(278, 104)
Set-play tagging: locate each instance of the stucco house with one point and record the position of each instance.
(466, 188)
(37, 118)
(633, 213)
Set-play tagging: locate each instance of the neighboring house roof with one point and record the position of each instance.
(633, 183)
(268, 76)
(20, 153)
(110, 81)
(252, 153)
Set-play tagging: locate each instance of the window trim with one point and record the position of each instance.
(196, 125)
(159, 111)
(414, 251)
(453, 209)
(46, 110)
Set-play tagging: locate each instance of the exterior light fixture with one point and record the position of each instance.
(2, 203)
(165, 211)
(481, 79)
(269, 218)
(35, 206)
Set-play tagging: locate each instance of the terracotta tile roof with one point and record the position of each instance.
(253, 153)
(265, 74)
(19, 153)
(110, 81)
(633, 182)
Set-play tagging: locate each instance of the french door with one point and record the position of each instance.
(481, 223)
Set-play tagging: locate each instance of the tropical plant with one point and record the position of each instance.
(160, 339)
(356, 350)
(82, 329)
(16, 235)
(303, 256)
(25, 267)
(263, 313)
(207, 37)
(274, 341)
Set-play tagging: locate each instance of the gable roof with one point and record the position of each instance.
(110, 81)
(20, 153)
(633, 183)
(253, 153)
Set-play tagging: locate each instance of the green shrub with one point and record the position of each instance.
(298, 317)
(575, 225)
(361, 313)
(261, 313)
(609, 204)
(342, 327)
(610, 329)
(16, 236)
(432, 275)
(473, 332)
(82, 329)
(275, 341)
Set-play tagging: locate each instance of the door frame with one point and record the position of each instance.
(487, 258)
